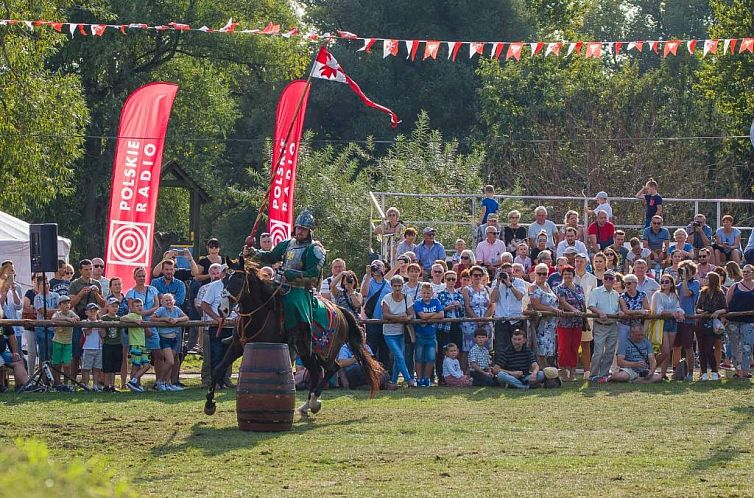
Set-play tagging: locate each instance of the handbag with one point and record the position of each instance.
(371, 303)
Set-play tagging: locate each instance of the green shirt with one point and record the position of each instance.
(112, 335)
(63, 335)
(136, 335)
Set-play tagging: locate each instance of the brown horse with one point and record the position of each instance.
(260, 320)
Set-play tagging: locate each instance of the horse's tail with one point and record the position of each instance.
(355, 341)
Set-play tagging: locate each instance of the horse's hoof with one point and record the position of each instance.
(303, 413)
(210, 408)
(315, 406)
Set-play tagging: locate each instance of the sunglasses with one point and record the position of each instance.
(656, 223)
(608, 277)
(450, 279)
(477, 275)
(666, 282)
(465, 257)
(541, 274)
(512, 217)
(629, 283)
(69, 273)
(99, 266)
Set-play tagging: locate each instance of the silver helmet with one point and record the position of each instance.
(305, 220)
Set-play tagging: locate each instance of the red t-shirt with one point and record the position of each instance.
(604, 233)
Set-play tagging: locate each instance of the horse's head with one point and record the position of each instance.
(234, 284)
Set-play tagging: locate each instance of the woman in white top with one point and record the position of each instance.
(666, 301)
(395, 309)
(391, 231)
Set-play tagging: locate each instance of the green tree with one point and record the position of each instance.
(42, 112)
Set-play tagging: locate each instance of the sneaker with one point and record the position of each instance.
(714, 376)
(704, 377)
(160, 387)
(412, 383)
(134, 387)
(175, 387)
(97, 388)
(587, 375)
(689, 377)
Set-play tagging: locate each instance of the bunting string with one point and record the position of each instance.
(427, 49)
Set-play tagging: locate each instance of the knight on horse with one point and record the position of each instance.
(302, 261)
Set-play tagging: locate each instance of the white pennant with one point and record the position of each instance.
(72, 28)
(726, 45)
(707, 47)
(689, 44)
(451, 48)
(571, 48)
(549, 48)
(28, 25)
(410, 46)
(609, 47)
(3, 22)
(93, 29)
(494, 48)
(533, 46)
(367, 41)
(631, 46)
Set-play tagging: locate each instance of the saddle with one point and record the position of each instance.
(323, 326)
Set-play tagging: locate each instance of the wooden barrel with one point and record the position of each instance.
(266, 393)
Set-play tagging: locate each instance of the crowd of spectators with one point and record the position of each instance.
(591, 268)
(93, 357)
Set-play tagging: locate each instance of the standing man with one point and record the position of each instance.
(303, 259)
(604, 301)
(507, 294)
(489, 250)
(84, 290)
(540, 224)
(620, 249)
(216, 307)
(429, 251)
(61, 281)
(98, 270)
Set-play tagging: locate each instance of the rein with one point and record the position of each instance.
(244, 318)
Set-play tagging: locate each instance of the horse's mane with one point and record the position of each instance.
(262, 290)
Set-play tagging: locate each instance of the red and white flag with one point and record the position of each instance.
(327, 68)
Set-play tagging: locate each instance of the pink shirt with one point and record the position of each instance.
(489, 254)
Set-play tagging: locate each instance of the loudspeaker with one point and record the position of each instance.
(43, 247)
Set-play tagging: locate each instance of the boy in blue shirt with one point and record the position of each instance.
(426, 340)
(652, 201)
(489, 204)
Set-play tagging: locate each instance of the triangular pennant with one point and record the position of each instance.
(747, 45)
(536, 48)
(368, 42)
(270, 29)
(691, 46)
(594, 50)
(229, 27)
(553, 48)
(709, 46)
(726, 44)
(733, 42)
(497, 50)
(389, 47)
(291, 32)
(671, 47)
(162, 27)
(618, 47)
(475, 48)
(72, 28)
(82, 29)
(514, 51)
(347, 35)
(412, 46)
(654, 46)
(57, 26)
(430, 49)
(99, 29)
(609, 48)
(571, 48)
(453, 48)
(29, 25)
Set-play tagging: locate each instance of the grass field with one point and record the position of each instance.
(675, 439)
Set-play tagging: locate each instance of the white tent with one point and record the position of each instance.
(14, 245)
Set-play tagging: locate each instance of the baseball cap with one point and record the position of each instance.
(571, 250)
(64, 299)
(601, 195)
(92, 306)
(112, 300)
(609, 273)
(492, 216)
(582, 255)
(428, 230)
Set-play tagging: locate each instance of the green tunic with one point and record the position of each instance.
(302, 268)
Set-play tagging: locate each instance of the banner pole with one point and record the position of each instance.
(266, 199)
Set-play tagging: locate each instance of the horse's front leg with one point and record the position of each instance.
(315, 376)
(315, 404)
(217, 372)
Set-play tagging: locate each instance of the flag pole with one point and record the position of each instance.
(266, 200)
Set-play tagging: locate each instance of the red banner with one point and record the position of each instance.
(288, 125)
(136, 180)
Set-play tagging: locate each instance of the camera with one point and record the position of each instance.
(696, 224)
(349, 279)
(375, 268)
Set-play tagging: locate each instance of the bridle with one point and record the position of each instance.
(244, 318)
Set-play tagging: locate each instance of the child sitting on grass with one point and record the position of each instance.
(451, 368)
(137, 346)
(479, 360)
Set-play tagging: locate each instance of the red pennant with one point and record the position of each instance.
(82, 30)
(577, 47)
(270, 29)
(691, 46)
(654, 46)
(99, 29)
(618, 46)
(162, 28)
(639, 46)
(671, 47)
(57, 26)
(537, 48)
(414, 49)
(347, 35)
(389, 47)
(475, 48)
(454, 52)
(430, 49)
(368, 42)
(497, 52)
(747, 45)
(733, 42)
(179, 27)
(594, 50)
(710, 46)
(39, 23)
(514, 51)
